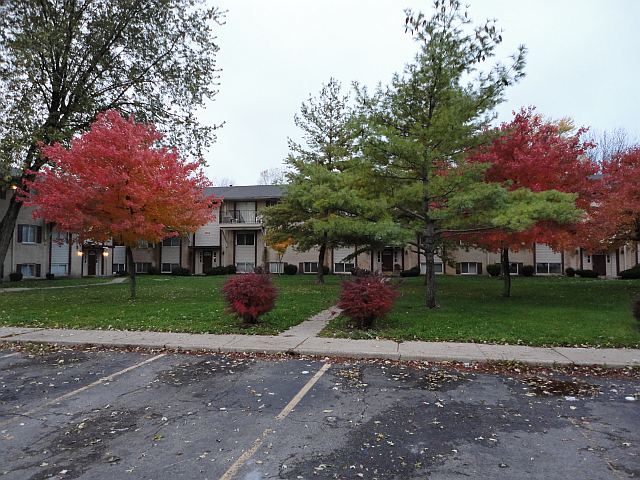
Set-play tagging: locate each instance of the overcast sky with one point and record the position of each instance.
(582, 63)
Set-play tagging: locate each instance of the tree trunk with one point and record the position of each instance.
(320, 274)
(429, 253)
(506, 272)
(7, 227)
(131, 266)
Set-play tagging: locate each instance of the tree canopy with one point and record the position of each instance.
(114, 182)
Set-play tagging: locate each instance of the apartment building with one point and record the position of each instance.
(236, 237)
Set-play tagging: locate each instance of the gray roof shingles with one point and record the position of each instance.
(246, 192)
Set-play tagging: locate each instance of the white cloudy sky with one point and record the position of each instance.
(582, 63)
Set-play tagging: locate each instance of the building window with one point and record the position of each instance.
(245, 238)
(118, 268)
(342, 267)
(276, 267)
(29, 270)
(143, 267)
(515, 267)
(29, 234)
(438, 268)
(59, 269)
(169, 267)
(171, 242)
(144, 244)
(245, 267)
(310, 267)
(468, 268)
(548, 268)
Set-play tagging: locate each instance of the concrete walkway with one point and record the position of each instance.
(26, 289)
(302, 340)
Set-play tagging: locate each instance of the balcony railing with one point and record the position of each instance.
(240, 216)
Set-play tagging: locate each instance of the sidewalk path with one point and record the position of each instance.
(26, 289)
(302, 340)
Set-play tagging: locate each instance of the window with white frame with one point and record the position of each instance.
(468, 268)
(29, 270)
(309, 267)
(244, 238)
(171, 242)
(343, 267)
(29, 234)
(544, 268)
(515, 267)
(169, 267)
(144, 244)
(143, 267)
(59, 269)
(245, 267)
(119, 267)
(276, 267)
(438, 267)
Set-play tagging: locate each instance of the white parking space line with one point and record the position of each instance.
(9, 355)
(247, 454)
(100, 381)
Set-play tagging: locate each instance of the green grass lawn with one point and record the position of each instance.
(60, 282)
(164, 303)
(542, 311)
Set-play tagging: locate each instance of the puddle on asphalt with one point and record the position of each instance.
(542, 386)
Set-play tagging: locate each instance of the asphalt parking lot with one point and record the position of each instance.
(114, 414)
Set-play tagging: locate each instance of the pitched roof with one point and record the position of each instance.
(246, 192)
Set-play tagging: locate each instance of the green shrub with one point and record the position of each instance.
(290, 269)
(50, 276)
(360, 272)
(153, 271)
(181, 272)
(631, 273)
(216, 271)
(326, 270)
(586, 273)
(636, 308)
(15, 276)
(412, 272)
(527, 270)
(231, 269)
(570, 272)
(494, 269)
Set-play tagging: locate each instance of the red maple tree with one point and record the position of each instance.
(615, 217)
(116, 182)
(540, 155)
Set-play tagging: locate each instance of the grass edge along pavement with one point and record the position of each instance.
(543, 311)
(165, 303)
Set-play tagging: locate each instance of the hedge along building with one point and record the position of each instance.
(236, 237)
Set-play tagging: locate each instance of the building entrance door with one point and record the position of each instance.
(92, 259)
(599, 264)
(207, 260)
(387, 260)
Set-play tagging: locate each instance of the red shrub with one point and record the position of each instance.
(366, 298)
(250, 295)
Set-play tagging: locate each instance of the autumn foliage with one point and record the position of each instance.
(250, 295)
(540, 155)
(615, 220)
(366, 299)
(116, 182)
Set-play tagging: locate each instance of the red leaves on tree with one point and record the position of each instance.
(366, 299)
(615, 218)
(536, 154)
(114, 181)
(250, 295)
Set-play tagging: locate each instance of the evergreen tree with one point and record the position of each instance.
(417, 131)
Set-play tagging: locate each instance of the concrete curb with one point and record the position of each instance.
(330, 347)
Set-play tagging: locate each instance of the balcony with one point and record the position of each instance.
(239, 218)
